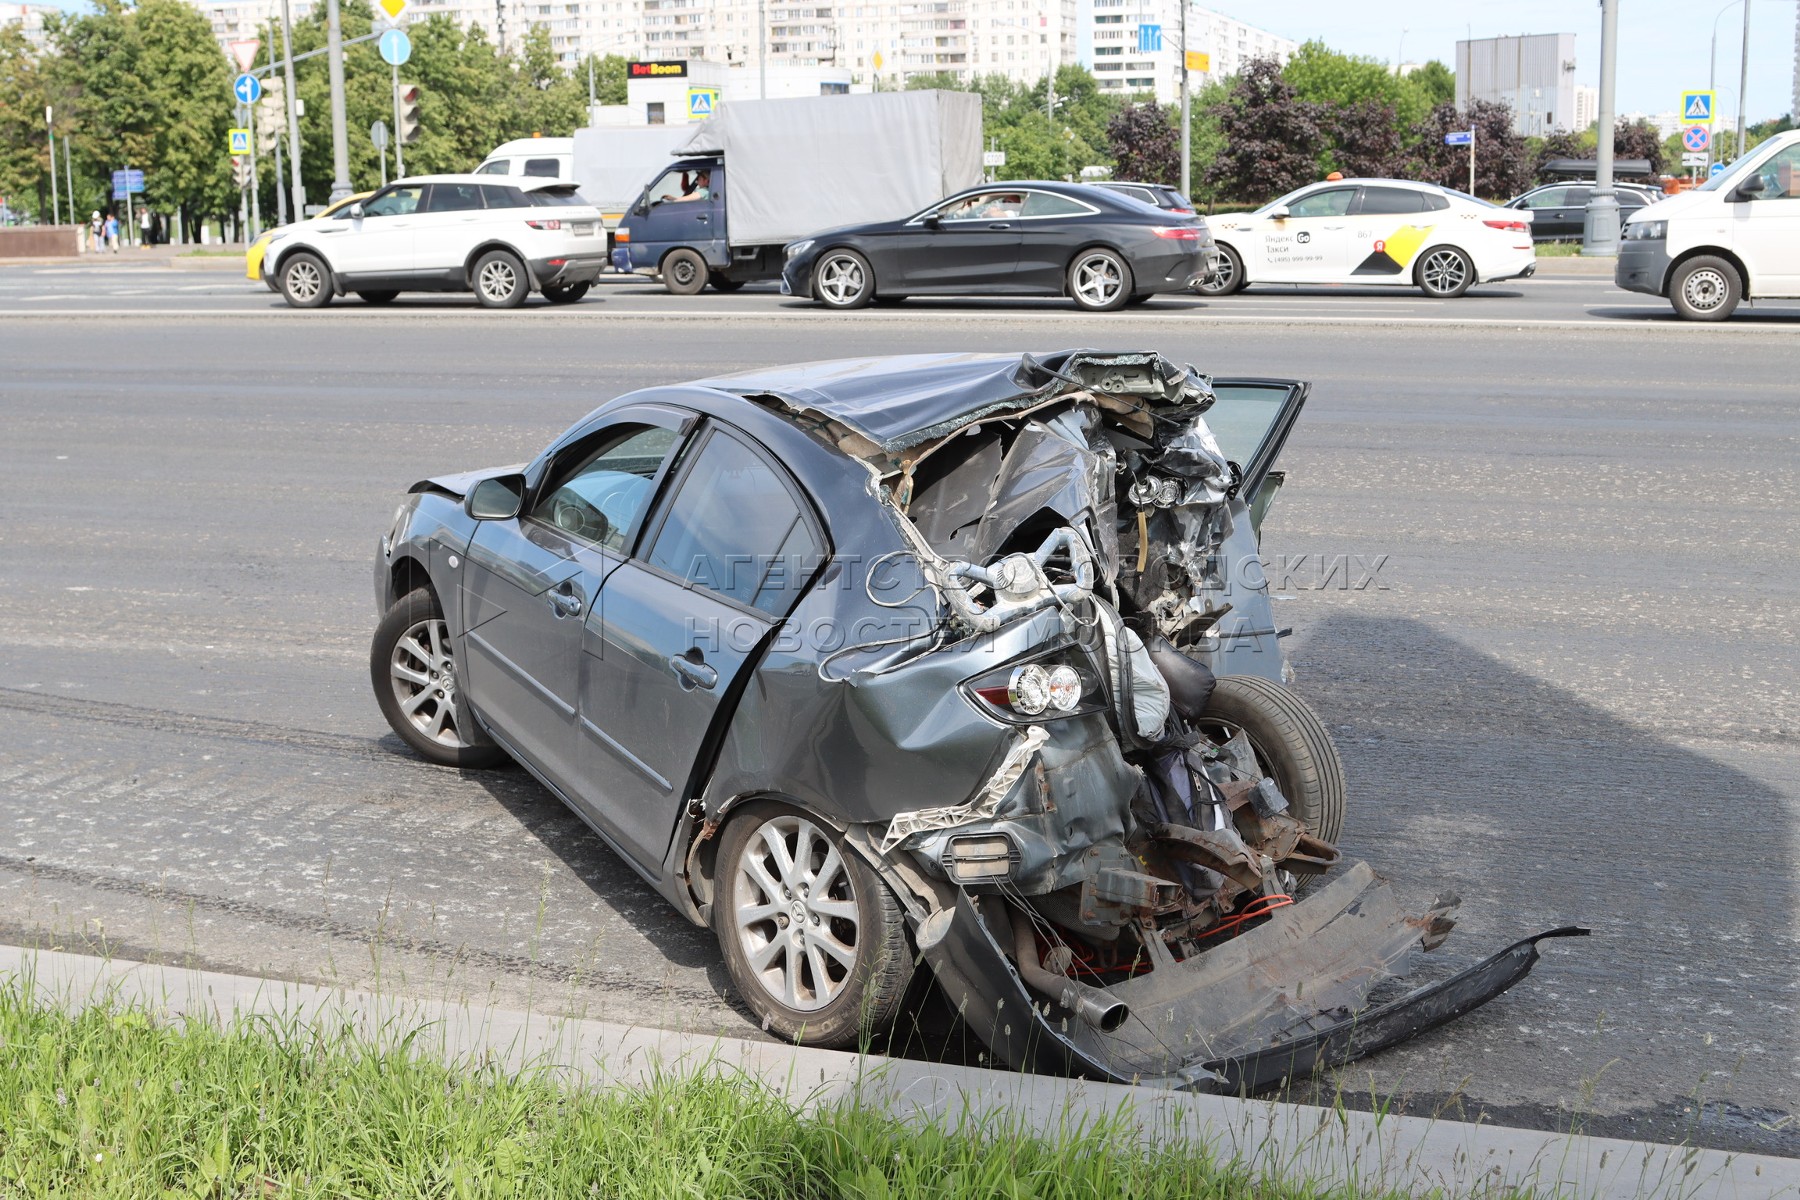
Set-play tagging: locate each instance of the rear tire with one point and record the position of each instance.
(565, 293)
(1445, 273)
(786, 935)
(414, 673)
(1230, 277)
(381, 297)
(1099, 281)
(1291, 744)
(1706, 289)
(684, 272)
(306, 281)
(500, 280)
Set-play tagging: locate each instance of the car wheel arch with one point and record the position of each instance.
(697, 864)
(487, 247)
(1686, 256)
(1083, 249)
(281, 261)
(406, 573)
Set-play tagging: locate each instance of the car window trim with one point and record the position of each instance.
(1092, 210)
(712, 427)
(678, 421)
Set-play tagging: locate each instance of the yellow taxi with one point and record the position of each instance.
(253, 257)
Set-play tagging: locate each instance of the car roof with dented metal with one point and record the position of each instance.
(899, 401)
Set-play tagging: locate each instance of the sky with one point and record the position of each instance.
(1663, 44)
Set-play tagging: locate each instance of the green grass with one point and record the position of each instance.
(111, 1102)
(1559, 249)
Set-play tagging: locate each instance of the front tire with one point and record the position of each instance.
(1230, 277)
(1099, 281)
(306, 281)
(1291, 744)
(565, 293)
(684, 272)
(816, 944)
(500, 280)
(1445, 273)
(843, 279)
(414, 673)
(1706, 289)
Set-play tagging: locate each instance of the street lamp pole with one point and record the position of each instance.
(1187, 147)
(1600, 234)
(1743, 78)
(762, 49)
(55, 204)
(290, 99)
(340, 141)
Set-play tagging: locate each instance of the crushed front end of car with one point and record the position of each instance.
(1114, 843)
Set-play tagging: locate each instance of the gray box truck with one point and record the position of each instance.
(764, 173)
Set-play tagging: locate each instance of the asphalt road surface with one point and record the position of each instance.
(1549, 300)
(1559, 660)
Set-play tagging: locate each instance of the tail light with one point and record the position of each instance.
(1178, 233)
(1186, 212)
(1037, 691)
(1508, 226)
(544, 223)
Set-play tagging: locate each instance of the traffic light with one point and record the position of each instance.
(240, 172)
(409, 114)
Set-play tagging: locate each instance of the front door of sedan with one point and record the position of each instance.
(719, 568)
(533, 584)
(1312, 243)
(971, 243)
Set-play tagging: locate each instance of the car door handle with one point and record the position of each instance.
(702, 218)
(693, 674)
(1000, 225)
(471, 217)
(565, 602)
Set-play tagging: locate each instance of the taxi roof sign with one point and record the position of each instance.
(1697, 106)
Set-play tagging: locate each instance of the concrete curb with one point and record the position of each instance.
(1595, 268)
(1405, 1154)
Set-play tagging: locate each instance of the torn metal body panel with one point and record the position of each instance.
(1003, 654)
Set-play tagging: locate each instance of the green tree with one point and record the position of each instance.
(1273, 138)
(24, 148)
(1145, 141)
(1435, 82)
(549, 100)
(1323, 76)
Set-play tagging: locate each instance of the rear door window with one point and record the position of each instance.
(543, 168)
(737, 528)
(1048, 204)
(500, 166)
(453, 197)
(1378, 201)
(495, 196)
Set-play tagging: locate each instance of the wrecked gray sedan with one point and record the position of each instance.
(956, 660)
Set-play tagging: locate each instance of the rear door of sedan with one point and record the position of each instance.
(728, 553)
(1052, 227)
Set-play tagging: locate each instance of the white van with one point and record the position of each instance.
(540, 157)
(1735, 237)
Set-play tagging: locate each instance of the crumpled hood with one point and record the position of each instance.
(902, 400)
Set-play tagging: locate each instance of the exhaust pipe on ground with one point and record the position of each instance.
(1091, 1004)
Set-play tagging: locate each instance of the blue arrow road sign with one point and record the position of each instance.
(247, 88)
(396, 47)
(1716, 168)
(1460, 137)
(1149, 39)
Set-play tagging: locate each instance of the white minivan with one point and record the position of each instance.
(541, 157)
(1735, 237)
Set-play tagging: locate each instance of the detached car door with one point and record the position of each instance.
(722, 563)
(533, 584)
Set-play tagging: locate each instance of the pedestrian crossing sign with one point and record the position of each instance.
(1697, 106)
(702, 102)
(240, 142)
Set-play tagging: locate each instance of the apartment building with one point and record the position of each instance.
(1135, 45)
(29, 18)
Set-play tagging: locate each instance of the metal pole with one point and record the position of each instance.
(591, 104)
(280, 192)
(1743, 79)
(130, 224)
(1187, 149)
(55, 204)
(1471, 157)
(290, 100)
(762, 49)
(399, 161)
(69, 178)
(340, 141)
(1600, 231)
(255, 181)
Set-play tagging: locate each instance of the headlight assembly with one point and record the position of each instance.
(1646, 231)
(800, 247)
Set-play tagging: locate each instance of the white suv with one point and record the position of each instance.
(448, 233)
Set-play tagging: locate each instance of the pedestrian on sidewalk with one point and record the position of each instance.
(144, 228)
(96, 233)
(112, 232)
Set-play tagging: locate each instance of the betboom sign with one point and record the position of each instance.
(656, 70)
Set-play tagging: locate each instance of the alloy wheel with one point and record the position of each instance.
(304, 281)
(423, 675)
(1444, 272)
(794, 913)
(841, 279)
(498, 279)
(1098, 280)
